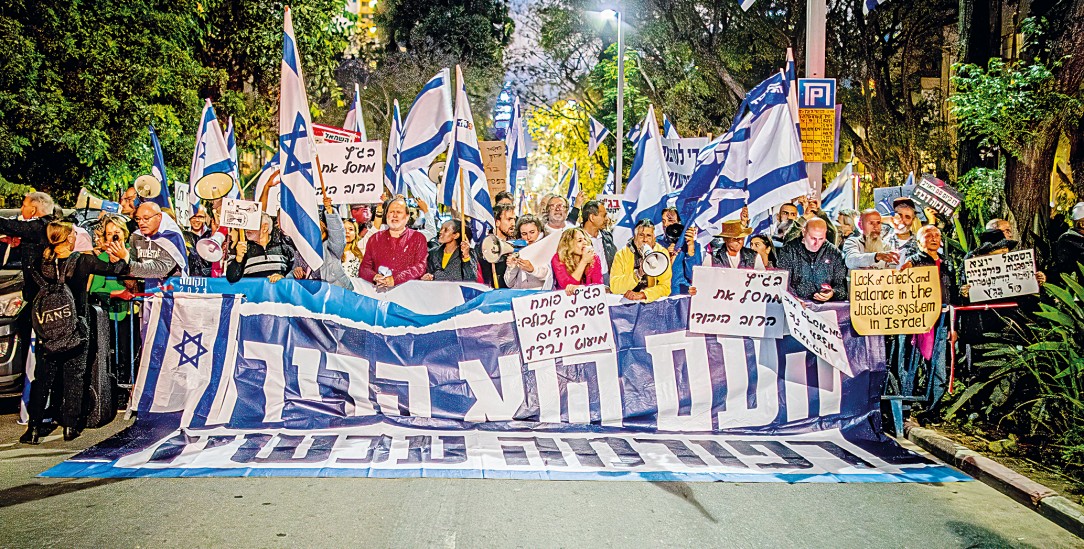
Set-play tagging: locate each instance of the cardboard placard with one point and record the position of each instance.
(680, 155)
(931, 192)
(1000, 276)
(353, 172)
(495, 162)
(241, 214)
(891, 302)
(555, 324)
(738, 302)
(817, 331)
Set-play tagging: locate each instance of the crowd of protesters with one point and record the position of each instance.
(403, 240)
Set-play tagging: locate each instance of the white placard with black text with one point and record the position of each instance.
(555, 324)
(818, 331)
(738, 302)
(241, 214)
(353, 172)
(1001, 275)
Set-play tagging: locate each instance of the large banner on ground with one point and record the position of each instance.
(306, 379)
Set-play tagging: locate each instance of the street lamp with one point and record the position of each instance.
(620, 135)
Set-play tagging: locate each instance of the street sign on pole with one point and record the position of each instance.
(817, 118)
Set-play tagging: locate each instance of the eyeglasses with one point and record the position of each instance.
(146, 219)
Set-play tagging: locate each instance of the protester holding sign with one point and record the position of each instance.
(931, 346)
(453, 259)
(575, 263)
(867, 249)
(630, 276)
(397, 254)
(733, 254)
(353, 252)
(898, 234)
(263, 253)
(816, 267)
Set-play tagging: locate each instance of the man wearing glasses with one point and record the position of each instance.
(157, 248)
(557, 214)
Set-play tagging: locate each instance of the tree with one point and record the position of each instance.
(474, 31)
(560, 136)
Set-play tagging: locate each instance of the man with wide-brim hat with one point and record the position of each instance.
(733, 254)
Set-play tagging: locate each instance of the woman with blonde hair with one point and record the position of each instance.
(62, 356)
(575, 263)
(354, 250)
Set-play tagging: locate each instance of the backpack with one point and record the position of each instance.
(53, 314)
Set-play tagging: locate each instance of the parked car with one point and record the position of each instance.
(12, 350)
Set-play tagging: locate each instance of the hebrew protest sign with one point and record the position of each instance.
(241, 214)
(931, 192)
(353, 172)
(890, 302)
(495, 161)
(738, 302)
(1002, 275)
(817, 331)
(555, 324)
(680, 157)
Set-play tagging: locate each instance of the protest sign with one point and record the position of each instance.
(240, 214)
(883, 197)
(1000, 276)
(495, 161)
(680, 157)
(612, 202)
(931, 192)
(738, 302)
(181, 207)
(817, 331)
(555, 324)
(353, 172)
(891, 302)
(328, 134)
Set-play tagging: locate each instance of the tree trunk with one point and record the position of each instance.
(980, 39)
(1027, 184)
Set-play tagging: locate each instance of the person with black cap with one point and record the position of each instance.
(1069, 248)
(684, 250)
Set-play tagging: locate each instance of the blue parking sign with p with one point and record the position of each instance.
(817, 93)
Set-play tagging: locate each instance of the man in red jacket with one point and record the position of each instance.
(395, 255)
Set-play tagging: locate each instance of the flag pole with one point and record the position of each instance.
(462, 205)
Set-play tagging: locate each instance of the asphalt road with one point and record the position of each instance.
(310, 512)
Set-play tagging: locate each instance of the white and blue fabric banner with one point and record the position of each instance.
(300, 378)
(465, 188)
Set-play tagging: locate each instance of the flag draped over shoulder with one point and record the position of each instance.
(392, 179)
(465, 167)
(211, 154)
(596, 134)
(158, 170)
(427, 129)
(649, 178)
(355, 121)
(516, 148)
(299, 215)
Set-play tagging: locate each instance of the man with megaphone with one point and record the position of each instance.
(641, 270)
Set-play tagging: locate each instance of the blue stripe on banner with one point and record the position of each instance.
(161, 340)
(289, 52)
(423, 149)
(76, 469)
(203, 409)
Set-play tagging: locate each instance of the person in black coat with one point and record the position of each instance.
(816, 267)
(61, 376)
(453, 259)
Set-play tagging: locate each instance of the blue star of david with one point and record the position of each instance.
(182, 347)
(289, 148)
(627, 220)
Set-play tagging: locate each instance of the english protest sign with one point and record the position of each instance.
(1000, 276)
(738, 302)
(891, 302)
(353, 172)
(817, 331)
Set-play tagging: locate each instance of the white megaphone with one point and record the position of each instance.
(210, 248)
(88, 201)
(655, 263)
(147, 186)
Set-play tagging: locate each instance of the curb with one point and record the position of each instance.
(1039, 498)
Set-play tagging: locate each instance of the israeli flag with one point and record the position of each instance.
(596, 134)
(573, 184)
(170, 238)
(158, 170)
(300, 215)
(840, 194)
(186, 354)
(464, 168)
(355, 122)
(395, 143)
(231, 146)
(633, 134)
(870, 5)
(790, 81)
(211, 154)
(910, 182)
(269, 180)
(428, 126)
(649, 179)
(563, 174)
(746, 4)
(668, 129)
(516, 148)
(757, 163)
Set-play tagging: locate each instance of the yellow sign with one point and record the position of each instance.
(818, 134)
(495, 163)
(890, 302)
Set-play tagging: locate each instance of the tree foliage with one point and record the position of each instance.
(560, 133)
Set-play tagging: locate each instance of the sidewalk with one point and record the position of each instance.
(1046, 501)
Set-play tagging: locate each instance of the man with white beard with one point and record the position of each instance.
(868, 249)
